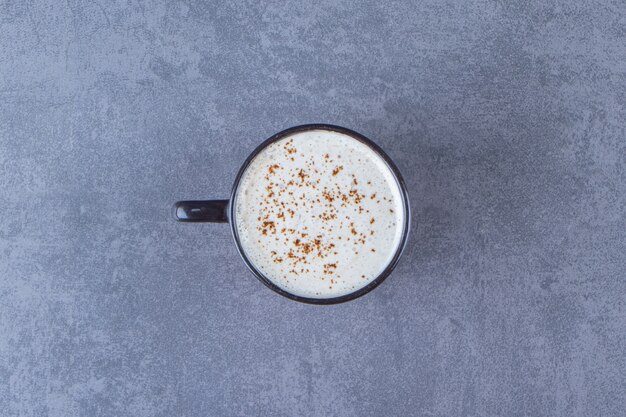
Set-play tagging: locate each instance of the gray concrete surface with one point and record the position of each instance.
(506, 118)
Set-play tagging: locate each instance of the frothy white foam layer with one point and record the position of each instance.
(319, 213)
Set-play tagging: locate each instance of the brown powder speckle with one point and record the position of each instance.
(290, 149)
(270, 226)
(272, 168)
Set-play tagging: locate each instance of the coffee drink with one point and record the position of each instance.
(319, 213)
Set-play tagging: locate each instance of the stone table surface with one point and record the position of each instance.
(507, 120)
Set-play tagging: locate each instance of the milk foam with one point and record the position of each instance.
(319, 213)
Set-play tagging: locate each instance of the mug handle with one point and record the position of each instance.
(196, 211)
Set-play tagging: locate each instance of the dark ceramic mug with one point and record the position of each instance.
(222, 211)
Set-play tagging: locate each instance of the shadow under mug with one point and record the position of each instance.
(223, 211)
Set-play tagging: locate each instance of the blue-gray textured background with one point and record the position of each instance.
(507, 120)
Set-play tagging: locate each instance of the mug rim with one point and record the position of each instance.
(405, 202)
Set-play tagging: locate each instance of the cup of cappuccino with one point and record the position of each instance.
(319, 214)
